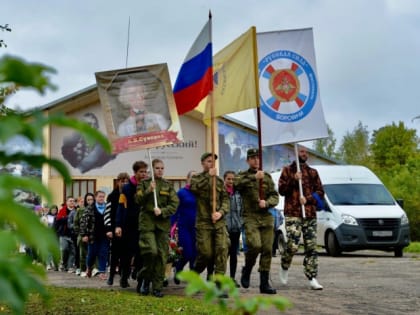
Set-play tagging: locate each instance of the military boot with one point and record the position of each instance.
(124, 278)
(110, 280)
(246, 274)
(145, 287)
(264, 285)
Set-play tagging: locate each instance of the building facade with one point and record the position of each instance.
(93, 169)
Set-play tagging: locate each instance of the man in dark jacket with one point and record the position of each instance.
(298, 224)
(126, 223)
(112, 202)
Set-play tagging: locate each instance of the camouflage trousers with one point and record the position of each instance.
(295, 228)
(154, 254)
(212, 248)
(259, 241)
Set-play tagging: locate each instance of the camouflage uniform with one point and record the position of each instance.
(154, 230)
(295, 223)
(212, 238)
(258, 222)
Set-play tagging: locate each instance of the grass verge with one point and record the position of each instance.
(414, 247)
(95, 301)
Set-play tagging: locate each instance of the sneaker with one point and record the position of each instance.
(284, 274)
(83, 274)
(95, 272)
(49, 267)
(315, 285)
(103, 276)
(78, 272)
(71, 270)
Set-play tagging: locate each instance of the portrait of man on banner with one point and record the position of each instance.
(139, 107)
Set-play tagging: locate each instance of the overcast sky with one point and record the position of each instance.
(367, 51)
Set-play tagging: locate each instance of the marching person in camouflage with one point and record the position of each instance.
(154, 226)
(258, 221)
(296, 225)
(212, 236)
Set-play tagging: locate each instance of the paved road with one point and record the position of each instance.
(363, 282)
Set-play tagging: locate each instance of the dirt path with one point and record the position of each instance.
(363, 282)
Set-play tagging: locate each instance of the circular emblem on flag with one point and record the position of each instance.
(288, 86)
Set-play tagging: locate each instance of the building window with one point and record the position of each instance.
(79, 188)
(178, 183)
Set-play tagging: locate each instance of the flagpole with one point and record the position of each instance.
(257, 101)
(300, 180)
(212, 130)
(153, 178)
(128, 42)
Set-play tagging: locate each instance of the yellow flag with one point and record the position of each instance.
(235, 73)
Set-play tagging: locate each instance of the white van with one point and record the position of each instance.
(359, 212)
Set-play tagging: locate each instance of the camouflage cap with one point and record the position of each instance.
(206, 155)
(252, 152)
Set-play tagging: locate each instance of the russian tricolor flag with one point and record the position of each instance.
(195, 78)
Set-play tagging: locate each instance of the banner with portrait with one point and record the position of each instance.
(139, 108)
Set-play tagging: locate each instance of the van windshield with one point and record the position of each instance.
(358, 194)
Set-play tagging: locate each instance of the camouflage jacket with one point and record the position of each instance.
(289, 188)
(248, 186)
(201, 187)
(167, 201)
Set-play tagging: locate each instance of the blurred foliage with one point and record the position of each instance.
(18, 275)
(214, 293)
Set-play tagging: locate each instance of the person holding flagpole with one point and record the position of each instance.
(158, 201)
(211, 232)
(258, 195)
(300, 215)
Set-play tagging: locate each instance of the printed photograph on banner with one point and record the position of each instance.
(139, 108)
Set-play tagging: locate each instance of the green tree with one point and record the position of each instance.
(354, 148)
(18, 276)
(396, 160)
(403, 181)
(393, 145)
(326, 146)
(7, 29)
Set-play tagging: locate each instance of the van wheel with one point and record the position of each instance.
(398, 252)
(332, 245)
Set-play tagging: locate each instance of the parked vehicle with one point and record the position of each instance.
(359, 213)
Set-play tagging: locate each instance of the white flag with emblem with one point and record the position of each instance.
(290, 104)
